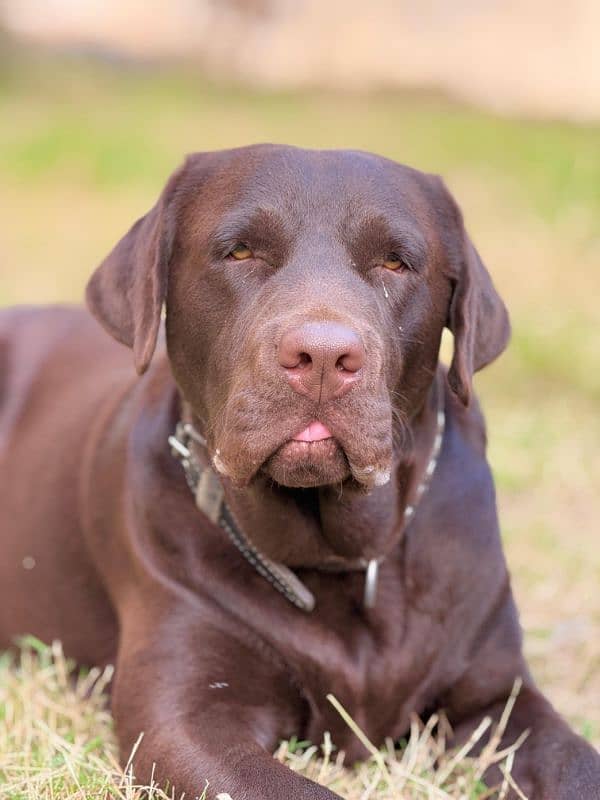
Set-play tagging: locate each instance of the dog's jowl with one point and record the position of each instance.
(287, 496)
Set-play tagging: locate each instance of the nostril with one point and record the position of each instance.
(351, 361)
(296, 361)
(292, 356)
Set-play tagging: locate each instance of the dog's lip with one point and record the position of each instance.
(302, 464)
(302, 448)
(314, 442)
(315, 431)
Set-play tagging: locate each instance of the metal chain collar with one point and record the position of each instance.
(208, 491)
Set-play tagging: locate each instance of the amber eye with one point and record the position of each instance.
(393, 261)
(241, 252)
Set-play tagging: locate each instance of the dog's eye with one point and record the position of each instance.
(241, 252)
(393, 261)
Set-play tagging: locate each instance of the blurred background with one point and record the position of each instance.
(100, 100)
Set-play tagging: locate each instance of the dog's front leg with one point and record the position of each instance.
(212, 704)
(552, 762)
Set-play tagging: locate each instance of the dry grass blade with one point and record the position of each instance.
(464, 751)
(377, 755)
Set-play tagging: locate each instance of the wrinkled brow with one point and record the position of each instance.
(262, 229)
(377, 235)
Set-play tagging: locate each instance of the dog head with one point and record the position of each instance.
(306, 294)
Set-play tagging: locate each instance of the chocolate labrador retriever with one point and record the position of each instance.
(294, 498)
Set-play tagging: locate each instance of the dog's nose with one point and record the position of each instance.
(322, 359)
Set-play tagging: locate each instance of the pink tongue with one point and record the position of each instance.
(315, 432)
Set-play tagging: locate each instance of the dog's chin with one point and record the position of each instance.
(307, 464)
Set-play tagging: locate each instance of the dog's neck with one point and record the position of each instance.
(334, 526)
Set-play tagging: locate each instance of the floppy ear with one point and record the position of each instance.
(127, 290)
(478, 320)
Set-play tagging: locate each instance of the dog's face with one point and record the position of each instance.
(306, 295)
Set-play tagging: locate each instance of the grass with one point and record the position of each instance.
(57, 741)
(85, 152)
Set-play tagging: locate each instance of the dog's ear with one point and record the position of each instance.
(477, 318)
(127, 290)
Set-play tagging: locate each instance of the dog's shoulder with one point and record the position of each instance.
(33, 324)
(39, 344)
(462, 490)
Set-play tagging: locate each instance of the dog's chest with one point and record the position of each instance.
(376, 664)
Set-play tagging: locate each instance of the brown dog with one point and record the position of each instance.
(356, 550)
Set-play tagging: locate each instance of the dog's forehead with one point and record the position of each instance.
(326, 178)
(330, 184)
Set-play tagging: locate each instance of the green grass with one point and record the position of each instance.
(84, 150)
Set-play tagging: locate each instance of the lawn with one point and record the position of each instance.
(84, 150)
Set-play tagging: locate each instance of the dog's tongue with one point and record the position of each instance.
(315, 432)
